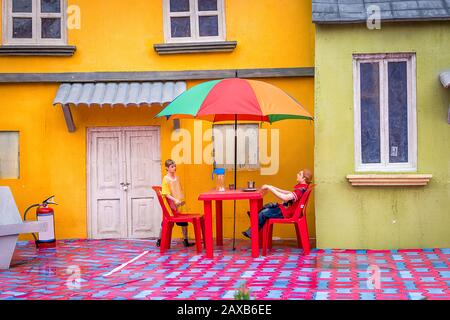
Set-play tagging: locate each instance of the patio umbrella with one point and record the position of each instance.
(235, 99)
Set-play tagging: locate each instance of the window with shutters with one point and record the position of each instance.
(194, 20)
(247, 146)
(34, 22)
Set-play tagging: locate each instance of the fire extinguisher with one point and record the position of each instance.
(45, 214)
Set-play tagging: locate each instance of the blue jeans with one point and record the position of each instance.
(266, 213)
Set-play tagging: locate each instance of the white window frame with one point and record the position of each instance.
(383, 60)
(194, 13)
(36, 15)
(228, 147)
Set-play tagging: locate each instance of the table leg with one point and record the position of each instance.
(254, 227)
(219, 220)
(208, 229)
(260, 205)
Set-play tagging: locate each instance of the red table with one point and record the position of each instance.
(256, 201)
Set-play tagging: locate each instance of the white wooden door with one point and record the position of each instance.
(143, 171)
(123, 164)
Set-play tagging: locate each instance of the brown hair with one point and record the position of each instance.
(169, 162)
(307, 174)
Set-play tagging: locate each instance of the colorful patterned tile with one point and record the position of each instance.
(75, 270)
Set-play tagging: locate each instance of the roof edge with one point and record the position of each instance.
(382, 20)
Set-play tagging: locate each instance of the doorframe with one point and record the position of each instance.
(89, 131)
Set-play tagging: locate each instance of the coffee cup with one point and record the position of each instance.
(251, 184)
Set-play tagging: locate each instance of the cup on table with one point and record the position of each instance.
(231, 186)
(251, 184)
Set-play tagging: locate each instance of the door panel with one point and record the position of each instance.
(141, 224)
(143, 171)
(108, 207)
(129, 156)
(109, 218)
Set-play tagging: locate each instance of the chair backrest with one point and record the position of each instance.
(167, 211)
(303, 205)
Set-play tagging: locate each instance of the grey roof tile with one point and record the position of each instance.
(384, 6)
(404, 5)
(386, 15)
(344, 11)
(405, 13)
(351, 8)
(325, 7)
(434, 13)
(355, 2)
(431, 4)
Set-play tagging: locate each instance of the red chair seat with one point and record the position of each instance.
(170, 218)
(277, 220)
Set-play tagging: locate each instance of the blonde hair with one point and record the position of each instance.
(307, 174)
(169, 162)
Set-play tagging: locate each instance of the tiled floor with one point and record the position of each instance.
(84, 269)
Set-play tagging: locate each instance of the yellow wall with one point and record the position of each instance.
(53, 161)
(117, 35)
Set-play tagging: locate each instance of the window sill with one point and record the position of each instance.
(389, 179)
(195, 47)
(37, 50)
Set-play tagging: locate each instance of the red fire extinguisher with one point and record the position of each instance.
(45, 214)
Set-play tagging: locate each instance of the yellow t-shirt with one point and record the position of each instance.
(172, 186)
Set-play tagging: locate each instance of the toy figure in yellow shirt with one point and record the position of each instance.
(174, 198)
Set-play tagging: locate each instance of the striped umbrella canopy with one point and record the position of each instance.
(235, 99)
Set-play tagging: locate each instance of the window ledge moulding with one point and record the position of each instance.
(37, 50)
(387, 180)
(195, 47)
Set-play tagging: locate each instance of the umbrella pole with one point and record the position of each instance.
(235, 185)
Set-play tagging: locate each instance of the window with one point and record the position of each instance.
(385, 113)
(194, 20)
(247, 146)
(34, 22)
(9, 155)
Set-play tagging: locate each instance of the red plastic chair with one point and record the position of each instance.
(298, 219)
(170, 217)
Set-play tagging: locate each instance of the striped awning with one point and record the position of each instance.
(118, 93)
(445, 79)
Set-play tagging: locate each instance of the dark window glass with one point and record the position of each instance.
(370, 113)
(398, 112)
(22, 28)
(180, 27)
(51, 28)
(209, 26)
(51, 6)
(22, 6)
(207, 5)
(179, 5)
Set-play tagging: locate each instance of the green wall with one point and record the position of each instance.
(381, 217)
